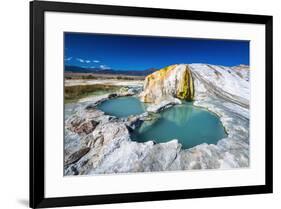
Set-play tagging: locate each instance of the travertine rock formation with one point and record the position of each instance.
(174, 81)
(108, 147)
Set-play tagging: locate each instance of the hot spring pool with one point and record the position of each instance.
(122, 106)
(189, 124)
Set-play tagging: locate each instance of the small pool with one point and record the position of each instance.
(189, 124)
(122, 106)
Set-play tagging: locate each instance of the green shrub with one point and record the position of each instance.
(73, 93)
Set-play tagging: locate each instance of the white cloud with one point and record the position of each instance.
(80, 60)
(96, 61)
(68, 59)
(87, 61)
(104, 67)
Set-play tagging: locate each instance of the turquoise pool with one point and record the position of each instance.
(189, 124)
(122, 106)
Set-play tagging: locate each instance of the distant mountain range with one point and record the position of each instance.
(76, 69)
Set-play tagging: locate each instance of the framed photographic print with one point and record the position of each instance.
(135, 104)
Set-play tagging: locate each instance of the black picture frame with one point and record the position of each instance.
(37, 196)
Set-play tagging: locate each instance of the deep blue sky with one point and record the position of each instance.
(121, 52)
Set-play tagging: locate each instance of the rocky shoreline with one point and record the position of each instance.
(96, 143)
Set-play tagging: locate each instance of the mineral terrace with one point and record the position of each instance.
(96, 143)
